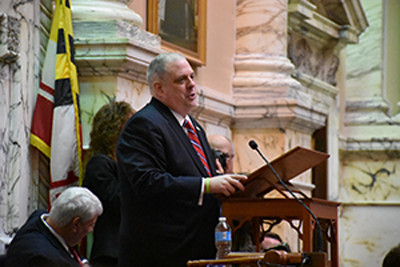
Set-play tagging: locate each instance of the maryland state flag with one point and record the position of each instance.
(56, 129)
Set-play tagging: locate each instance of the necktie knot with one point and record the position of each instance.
(187, 124)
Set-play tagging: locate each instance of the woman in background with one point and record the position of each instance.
(101, 177)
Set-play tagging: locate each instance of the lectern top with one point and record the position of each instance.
(288, 166)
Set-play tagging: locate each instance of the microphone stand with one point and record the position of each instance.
(254, 146)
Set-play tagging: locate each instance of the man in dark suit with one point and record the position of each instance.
(168, 204)
(48, 240)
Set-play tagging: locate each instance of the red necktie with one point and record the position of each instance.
(76, 256)
(194, 139)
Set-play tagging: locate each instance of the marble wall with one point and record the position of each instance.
(370, 153)
(19, 53)
(367, 232)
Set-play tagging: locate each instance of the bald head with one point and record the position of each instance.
(219, 142)
(224, 145)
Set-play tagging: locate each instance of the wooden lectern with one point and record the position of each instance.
(249, 205)
(270, 258)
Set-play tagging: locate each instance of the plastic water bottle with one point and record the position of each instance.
(223, 240)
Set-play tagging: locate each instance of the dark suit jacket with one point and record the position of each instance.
(101, 177)
(35, 245)
(161, 174)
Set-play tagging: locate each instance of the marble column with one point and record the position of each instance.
(18, 77)
(267, 107)
(262, 69)
(101, 10)
(265, 93)
(112, 54)
(9, 53)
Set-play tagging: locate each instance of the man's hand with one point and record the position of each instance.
(226, 184)
(220, 170)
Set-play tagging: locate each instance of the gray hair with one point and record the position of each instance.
(157, 67)
(75, 202)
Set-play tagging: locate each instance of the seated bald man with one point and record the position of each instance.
(223, 148)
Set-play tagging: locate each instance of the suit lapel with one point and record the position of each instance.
(182, 136)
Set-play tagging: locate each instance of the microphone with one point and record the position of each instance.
(254, 146)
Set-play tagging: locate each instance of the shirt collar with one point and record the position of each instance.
(43, 217)
(179, 117)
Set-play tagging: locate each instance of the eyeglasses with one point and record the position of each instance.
(228, 156)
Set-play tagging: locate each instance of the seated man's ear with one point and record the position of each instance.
(75, 223)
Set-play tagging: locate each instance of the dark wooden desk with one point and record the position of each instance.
(242, 209)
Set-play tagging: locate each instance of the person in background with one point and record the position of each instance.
(270, 241)
(49, 240)
(169, 207)
(224, 152)
(392, 258)
(101, 177)
(223, 149)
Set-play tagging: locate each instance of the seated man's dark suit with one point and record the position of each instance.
(161, 176)
(35, 245)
